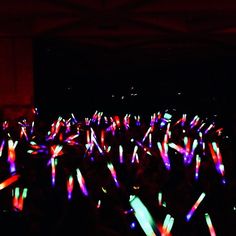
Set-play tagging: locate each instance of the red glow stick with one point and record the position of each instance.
(9, 181)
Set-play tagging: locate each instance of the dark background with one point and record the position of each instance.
(73, 78)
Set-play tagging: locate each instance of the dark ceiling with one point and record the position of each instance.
(158, 27)
(115, 39)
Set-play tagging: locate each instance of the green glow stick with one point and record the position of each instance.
(143, 216)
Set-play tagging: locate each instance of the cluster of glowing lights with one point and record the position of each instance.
(19, 196)
(93, 136)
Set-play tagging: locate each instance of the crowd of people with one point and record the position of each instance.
(77, 175)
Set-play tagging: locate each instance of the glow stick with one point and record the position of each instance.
(153, 118)
(136, 157)
(74, 119)
(160, 149)
(165, 224)
(5, 125)
(99, 117)
(88, 136)
(97, 145)
(191, 154)
(202, 143)
(134, 153)
(218, 153)
(183, 119)
(194, 145)
(99, 204)
(159, 116)
(24, 133)
(195, 206)
(70, 186)
(113, 173)
(168, 132)
(21, 199)
(213, 154)
(94, 116)
(203, 147)
(165, 154)
(105, 120)
(19, 204)
(214, 146)
(112, 128)
(108, 149)
(93, 138)
(166, 118)
(169, 226)
(187, 155)
(143, 216)
(117, 121)
(81, 181)
(160, 198)
(53, 171)
(2, 146)
(121, 154)
(9, 181)
(178, 148)
(187, 147)
(178, 121)
(54, 128)
(209, 224)
(163, 151)
(87, 121)
(12, 155)
(165, 139)
(102, 137)
(104, 190)
(201, 126)
(56, 150)
(194, 121)
(198, 162)
(15, 197)
(209, 128)
(200, 135)
(138, 123)
(11, 150)
(150, 140)
(68, 125)
(24, 194)
(217, 158)
(70, 138)
(12, 167)
(126, 121)
(32, 128)
(146, 134)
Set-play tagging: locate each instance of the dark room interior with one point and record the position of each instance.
(118, 117)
